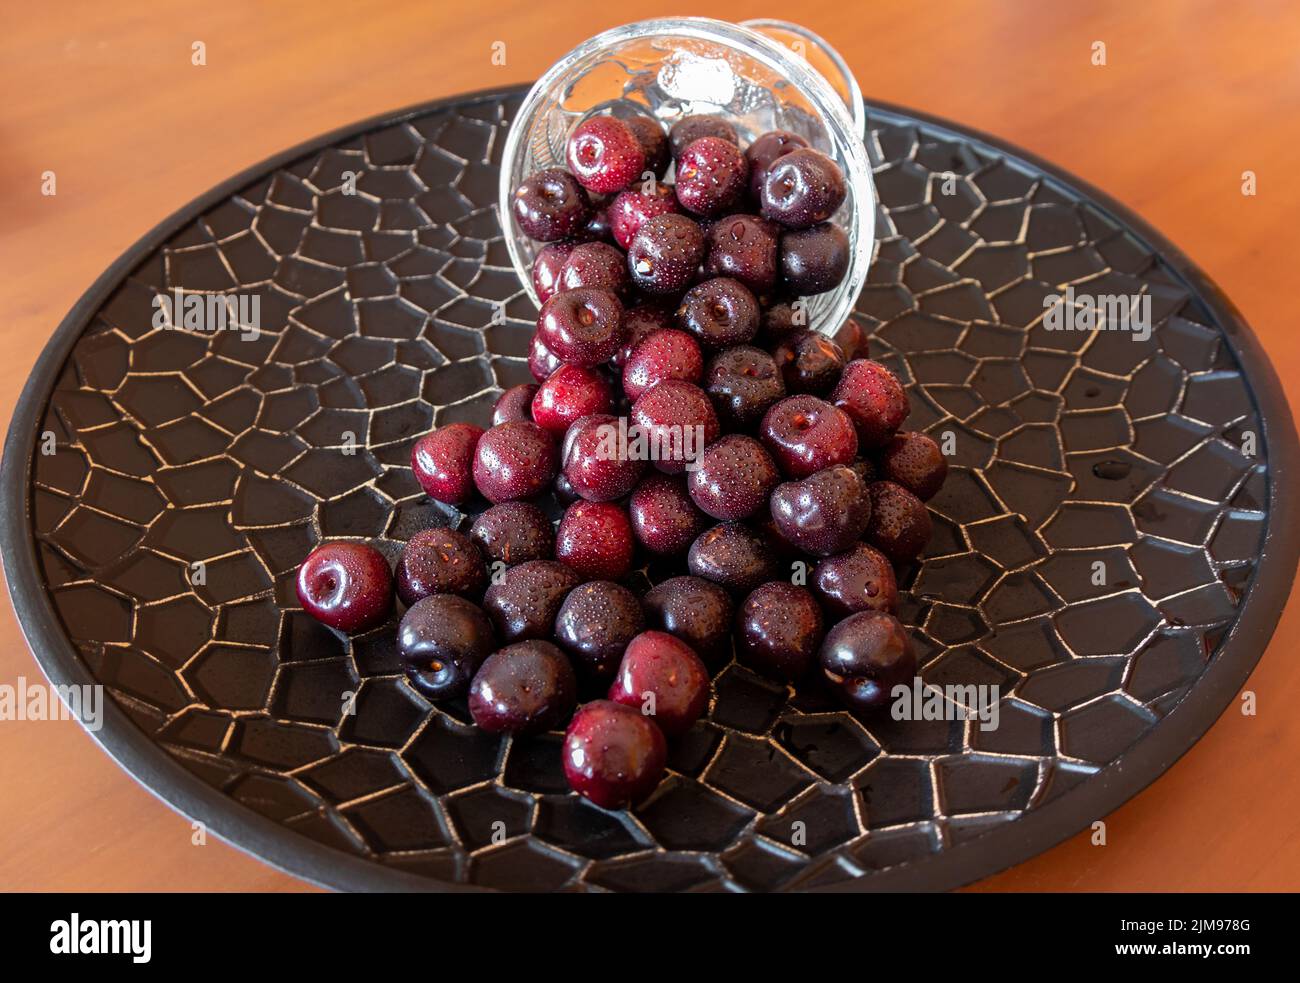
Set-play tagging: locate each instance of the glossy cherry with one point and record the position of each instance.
(697, 611)
(569, 393)
(613, 755)
(660, 356)
(525, 601)
(595, 624)
(712, 176)
(551, 205)
(604, 154)
(720, 313)
(440, 561)
(443, 462)
(596, 265)
(661, 676)
(864, 657)
(733, 478)
(516, 403)
(874, 399)
(594, 461)
(596, 540)
(514, 532)
(743, 247)
(900, 523)
(743, 382)
(347, 586)
(814, 260)
(665, 254)
(860, 579)
(733, 555)
(763, 151)
(664, 519)
(632, 208)
(677, 422)
(825, 513)
(546, 269)
(805, 434)
(583, 326)
(914, 461)
(442, 641)
(525, 688)
(688, 129)
(802, 188)
(514, 460)
(778, 629)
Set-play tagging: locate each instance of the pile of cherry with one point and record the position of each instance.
(791, 509)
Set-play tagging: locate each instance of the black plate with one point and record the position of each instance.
(1071, 447)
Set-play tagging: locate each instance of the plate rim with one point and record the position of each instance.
(984, 855)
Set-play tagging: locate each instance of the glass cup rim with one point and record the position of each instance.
(844, 131)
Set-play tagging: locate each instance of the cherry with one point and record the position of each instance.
(665, 253)
(604, 154)
(524, 603)
(900, 523)
(598, 228)
(805, 434)
(551, 205)
(825, 513)
(734, 477)
(688, 129)
(570, 392)
(661, 676)
(442, 462)
(810, 362)
(441, 641)
(516, 403)
(638, 322)
(780, 320)
(720, 313)
(613, 756)
(525, 688)
(664, 519)
(778, 629)
(874, 399)
(593, 461)
(659, 356)
(858, 580)
(743, 247)
(653, 140)
(546, 269)
(595, 539)
(677, 422)
(697, 611)
(541, 360)
(583, 326)
(594, 265)
(814, 260)
(802, 188)
(630, 210)
(514, 460)
(763, 151)
(595, 624)
(864, 657)
(852, 339)
(711, 176)
(347, 586)
(514, 532)
(914, 461)
(732, 555)
(440, 561)
(743, 382)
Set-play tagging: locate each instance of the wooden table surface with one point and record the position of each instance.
(1192, 95)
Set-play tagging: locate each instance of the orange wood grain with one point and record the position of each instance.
(1192, 95)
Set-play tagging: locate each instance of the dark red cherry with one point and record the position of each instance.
(546, 269)
(442, 641)
(874, 399)
(711, 176)
(613, 756)
(525, 688)
(524, 603)
(551, 205)
(665, 254)
(604, 154)
(583, 326)
(688, 129)
(596, 461)
(594, 265)
(802, 188)
(864, 657)
(514, 532)
(743, 382)
(541, 360)
(595, 539)
(720, 313)
(763, 151)
(860, 579)
(664, 679)
(734, 556)
(347, 586)
(676, 421)
(650, 134)
(814, 260)
(514, 460)
(697, 611)
(825, 513)
(660, 356)
(778, 629)
(914, 461)
(440, 561)
(632, 208)
(743, 247)
(733, 478)
(443, 462)
(516, 403)
(805, 434)
(810, 362)
(595, 624)
(569, 393)
(664, 519)
(900, 523)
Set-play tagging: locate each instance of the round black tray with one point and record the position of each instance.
(377, 315)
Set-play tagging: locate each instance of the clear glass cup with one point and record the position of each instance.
(685, 66)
